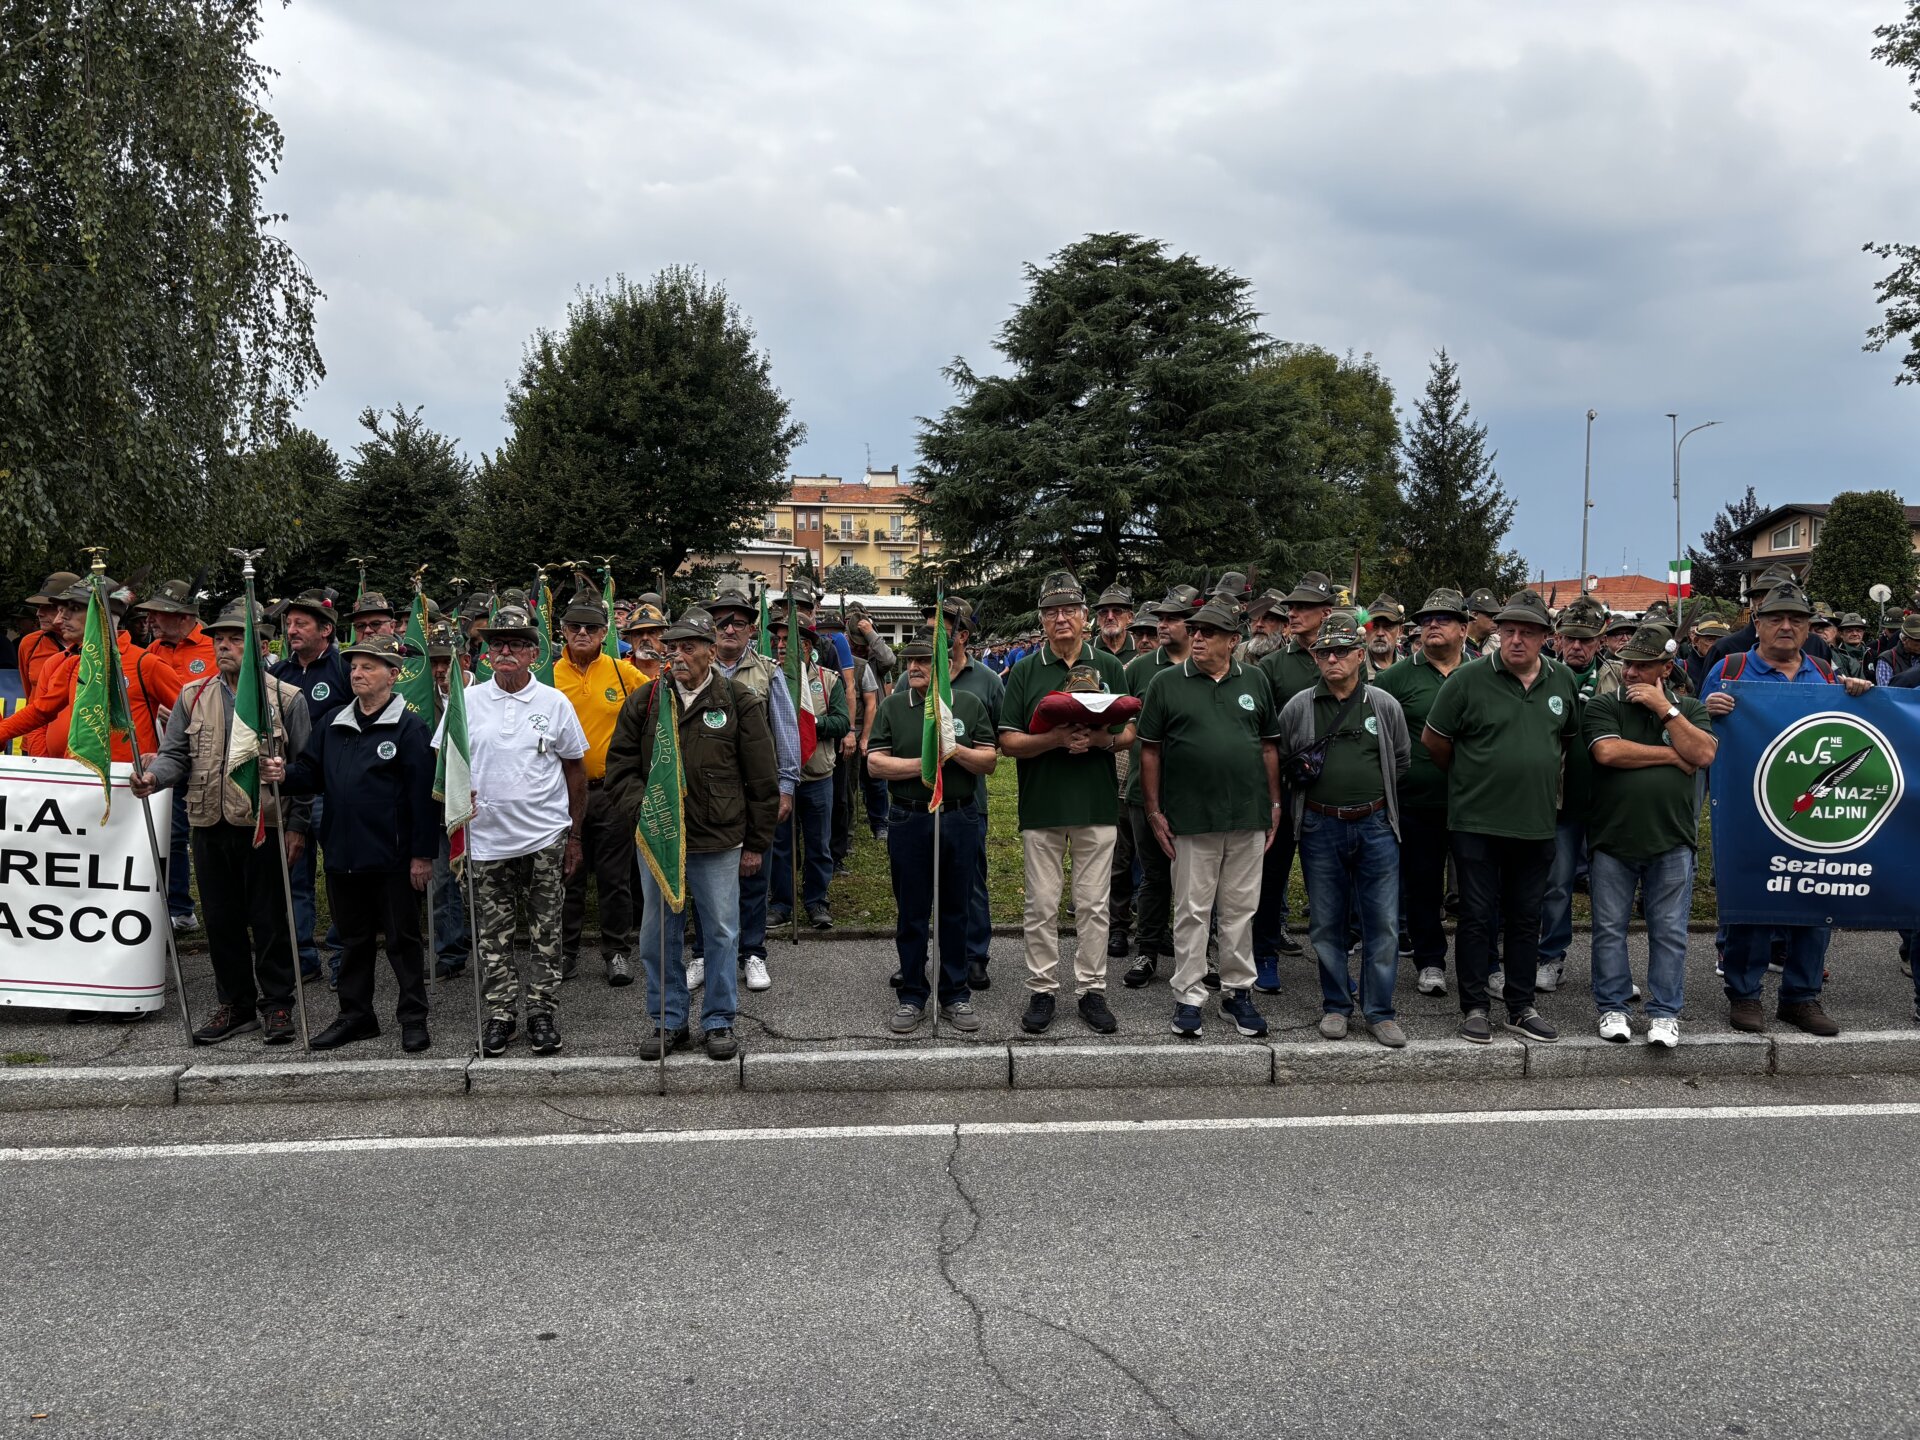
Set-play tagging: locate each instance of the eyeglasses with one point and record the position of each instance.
(733, 622)
(510, 645)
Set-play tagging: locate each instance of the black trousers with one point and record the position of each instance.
(1502, 883)
(1423, 884)
(1120, 891)
(1270, 917)
(370, 904)
(243, 903)
(841, 842)
(608, 857)
(1156, 886)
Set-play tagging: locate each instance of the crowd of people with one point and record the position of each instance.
(1476, 755)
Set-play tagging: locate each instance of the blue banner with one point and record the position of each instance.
(1814, 821)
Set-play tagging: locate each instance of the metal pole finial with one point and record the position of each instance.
(246, 558)
(96, 558)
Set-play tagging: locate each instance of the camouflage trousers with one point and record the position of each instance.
(498, 886)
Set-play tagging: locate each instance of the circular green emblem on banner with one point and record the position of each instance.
(1828, 783)
(386, 750)
(714, 719)
(196, 667)
(322, 690)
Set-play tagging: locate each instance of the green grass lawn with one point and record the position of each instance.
(866, 896)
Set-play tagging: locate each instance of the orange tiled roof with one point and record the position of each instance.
(804, 493)
(1617, 592)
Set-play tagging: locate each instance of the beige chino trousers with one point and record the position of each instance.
(1223, 869)
(1046, 856)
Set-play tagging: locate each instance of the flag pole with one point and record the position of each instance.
(272, 740)
(433, 706)
(99, 566)
(933, 949)
(474, 962)
(660, 1020)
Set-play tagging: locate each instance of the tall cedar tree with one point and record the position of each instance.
(154, 330)
(1898, 292)
(1717, 561)
(1130, 437)
(1866, 540)
(648, 430)
(1456, 512)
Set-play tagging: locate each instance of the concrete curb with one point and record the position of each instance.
(1019, 1064)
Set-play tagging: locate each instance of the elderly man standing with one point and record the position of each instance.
(1210, 778)
(966, 674)
(1781, 623)
(597, 685)
(1113, 616)
(1348, 819)
(1385, 620)
(530, 801)
(1154, 902)
(241, 888)
(1416, 683)
(1903, 656)
(1482, 606)
(1648, 743)
(1069, 802)
(1500, 728)
(313, 666)
(1290, 669)
(812, 810)
(375, 760)
(182, 644)
(732, 795)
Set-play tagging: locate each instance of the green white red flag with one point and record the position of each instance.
(249, 725)
(453, 768)
(936, 736)
(1679, 579)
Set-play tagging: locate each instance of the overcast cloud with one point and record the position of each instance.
(1639, 207)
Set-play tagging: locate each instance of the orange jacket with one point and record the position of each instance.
(151, 688)
(191, 659)
(36, 651)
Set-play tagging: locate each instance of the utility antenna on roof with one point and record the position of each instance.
(869, 445)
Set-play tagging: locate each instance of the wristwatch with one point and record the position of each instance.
(1673, 713)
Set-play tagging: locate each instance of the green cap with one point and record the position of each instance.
(1583, 618)
(1649, 642)
(378, 647)
(1339, 631)
(1785, 598)
(1523, 607)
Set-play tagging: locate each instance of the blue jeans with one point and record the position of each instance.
(910, 860)
(1667, 881)
(452, 941)
(1349, 864)
(753, 916)
(813, 809)
(1556, 906)
(179, 886)
(1750, 947)
(713, 888)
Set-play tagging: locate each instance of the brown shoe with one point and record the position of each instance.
(1748, 1016)
(1808, 1016)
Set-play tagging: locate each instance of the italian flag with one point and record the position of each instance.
(453, 771)
(249, 726)
(936, 735)
(1679, 579)
(803, 684)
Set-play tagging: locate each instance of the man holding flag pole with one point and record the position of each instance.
(931, 744)
(212, 746)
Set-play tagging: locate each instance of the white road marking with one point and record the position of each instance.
(362, 1144)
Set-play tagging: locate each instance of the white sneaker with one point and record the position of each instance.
(1496, 983)
(1548, 976)
(183, 923)
(696, 974)
(757, 976)
(1433, 981)
(1664, 1030)
(1614, 1026)
(1635, 996)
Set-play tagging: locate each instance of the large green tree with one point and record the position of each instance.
(1455, 513)
(1129, 437)
(1898, 292)
(1719, 556)
(155, 330)
(1866, 540)
(648, 429)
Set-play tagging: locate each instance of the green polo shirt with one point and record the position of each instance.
(899, 726)
(1509, 746)
(1577, 791)
(1351, 774)
(1211, 734)
(1058, 790)
(1289, 670)
(1140, 673)
(1636, 815)
(1125, 654)
(1416, 683)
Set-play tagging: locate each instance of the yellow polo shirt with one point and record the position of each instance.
(596, 694)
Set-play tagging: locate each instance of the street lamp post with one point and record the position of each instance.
(1586, 507)
(1678, 544)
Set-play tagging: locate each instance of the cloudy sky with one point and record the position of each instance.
(1639, 207)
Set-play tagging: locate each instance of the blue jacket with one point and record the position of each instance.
(377, 776)
(324, 683)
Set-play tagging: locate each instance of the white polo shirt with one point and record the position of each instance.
(520, 803)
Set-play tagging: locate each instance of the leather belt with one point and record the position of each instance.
(1347, 812)
(596, 784)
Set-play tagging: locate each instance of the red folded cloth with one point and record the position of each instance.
(1095, 710)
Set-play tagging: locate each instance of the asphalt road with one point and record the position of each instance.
(1724, 1271)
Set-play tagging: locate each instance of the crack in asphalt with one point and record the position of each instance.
(949, 1249)
(1147, 1392)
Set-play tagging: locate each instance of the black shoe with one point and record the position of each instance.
(278, 1025)
(778, 918)
(541, 1035)
(569, 967)
(720, 1043)
(224, 1022)
(840, 869)
(1142, 972)
(493, 1039)
(651, 1047)
(1039, 1013)
(821, 919)
(1119, 943)
(1093, 1010)
(977, 977)
(344, 1031)
(1288, 945)
(443, 971)
(895, 979)
(1211, 979)
(414, 1039)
